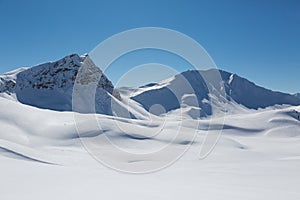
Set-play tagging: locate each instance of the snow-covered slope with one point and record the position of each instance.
(8, 81)
(297, 95)
(50, 85)
(41, 156)
(240, 94)
(252, 96)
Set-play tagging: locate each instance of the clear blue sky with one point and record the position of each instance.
(257, 39)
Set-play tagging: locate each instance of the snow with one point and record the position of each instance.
(8, 81)
(239, 95)
(231, 79)
(257, 157)
(49, 154)
(50, 85)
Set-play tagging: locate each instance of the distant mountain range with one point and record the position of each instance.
(50, 86)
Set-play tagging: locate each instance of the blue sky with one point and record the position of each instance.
(257, 39)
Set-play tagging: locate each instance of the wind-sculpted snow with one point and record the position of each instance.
(257, 156)
(42, 154)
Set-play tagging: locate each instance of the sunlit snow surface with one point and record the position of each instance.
(46, 154)
(257, 157)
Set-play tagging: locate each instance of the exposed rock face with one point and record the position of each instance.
(52, 75)
(8, 81)
(7, 85)
(50, 85)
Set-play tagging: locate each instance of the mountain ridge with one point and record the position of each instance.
(233, 87)
(50, 86)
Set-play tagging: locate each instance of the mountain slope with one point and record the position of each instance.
(252, 96)
(254, 151)
(50, 85)
(172, 93)
(8, 81)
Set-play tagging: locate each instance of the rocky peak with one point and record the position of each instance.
(51, 75)
(59, 75)
(50, 85)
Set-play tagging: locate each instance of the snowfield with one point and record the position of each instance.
(181, 138)
(257, 157)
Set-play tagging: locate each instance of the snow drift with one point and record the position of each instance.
(257, 156)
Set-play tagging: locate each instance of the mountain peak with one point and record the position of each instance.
(239, 92)
(50, 85)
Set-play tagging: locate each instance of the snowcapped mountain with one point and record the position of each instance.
(252, 96)
(256, 148)
(50, 85)
(173, 92)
